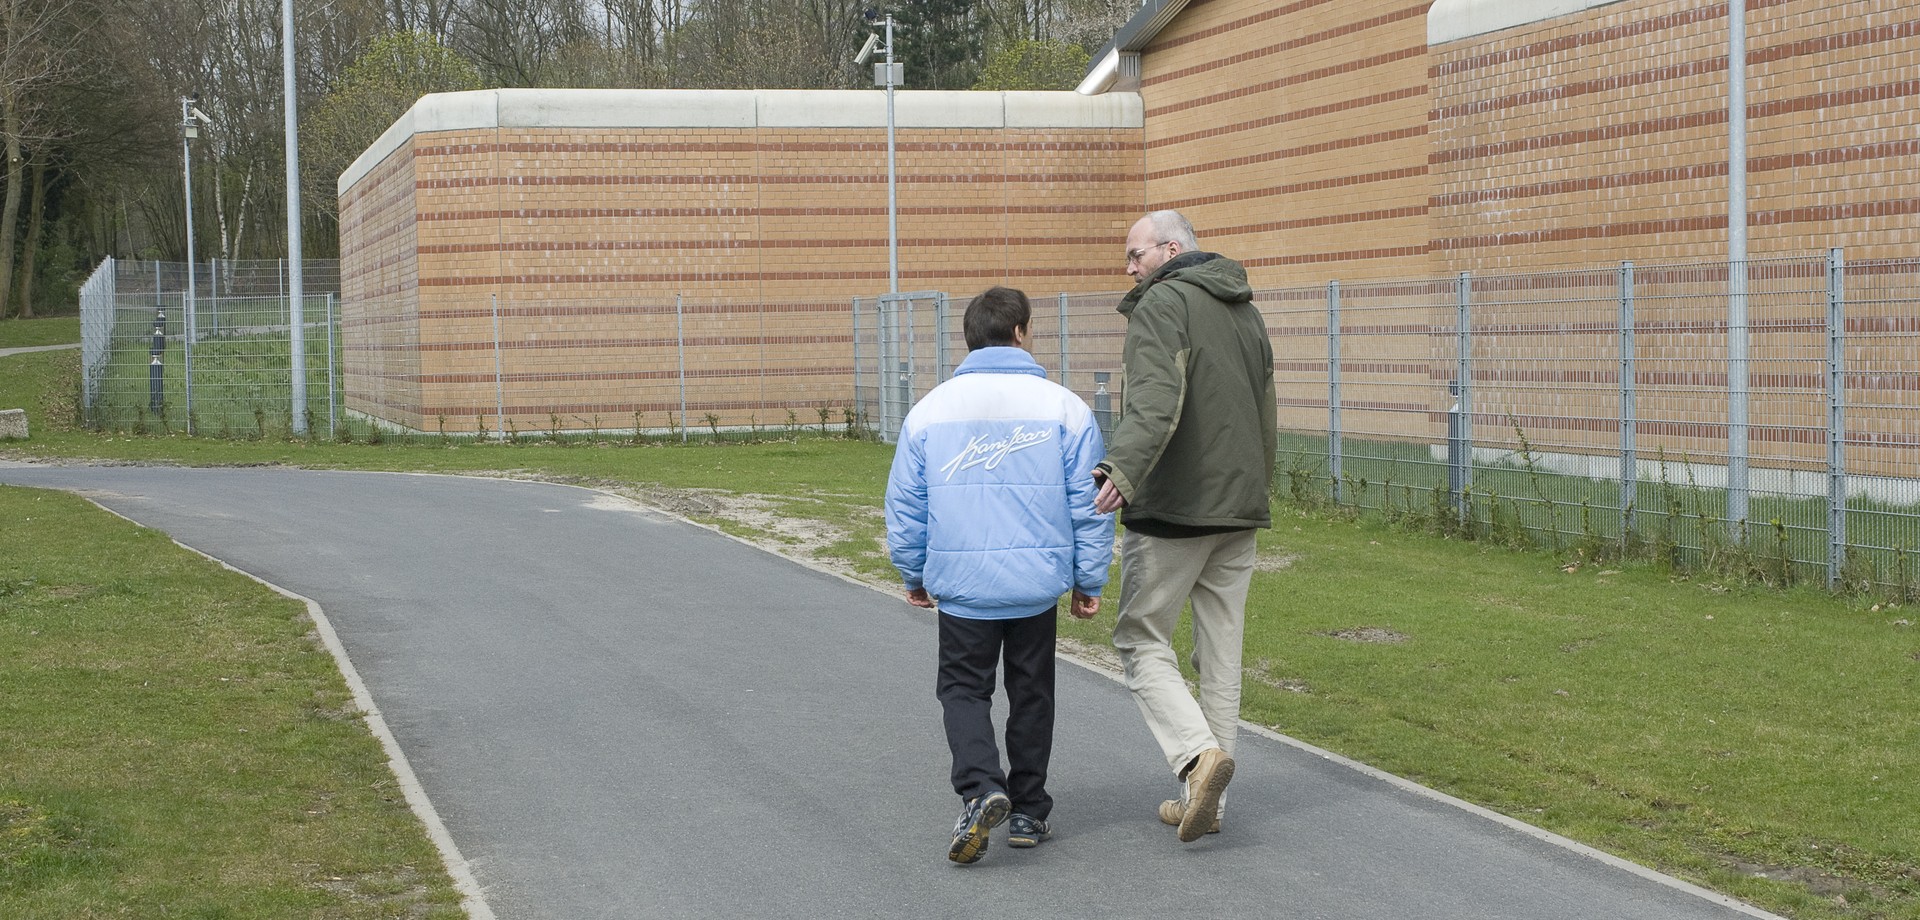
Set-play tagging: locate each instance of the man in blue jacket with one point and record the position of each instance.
(990, 513)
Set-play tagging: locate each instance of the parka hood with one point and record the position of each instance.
(1222, 278)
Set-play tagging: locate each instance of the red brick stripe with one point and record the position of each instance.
(1588, 136)
(1345, 143)
(1827, 44)
(1328, 220)
(1313, 258)
(521, 181)
(616, 376)
(1386, 175)
(1334, 70)
(762, 146)
(605, 278)
(1237, 24)
(1552, 46)
(707, 244)
(620, 411)
(1283, 118)
(1816, 214)
(747, 213)
(1583, 88)
(1413, 12)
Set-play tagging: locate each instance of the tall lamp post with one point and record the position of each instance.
(295, 319)
(889, 75)
(1737, 338)
(190, 120)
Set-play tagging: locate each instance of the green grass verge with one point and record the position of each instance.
(1755, 741)
(51, 330)
(179, 744)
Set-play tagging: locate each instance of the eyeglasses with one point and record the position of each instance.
(1135, 255)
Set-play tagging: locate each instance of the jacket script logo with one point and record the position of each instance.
(981, 451)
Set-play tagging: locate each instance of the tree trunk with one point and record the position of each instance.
(36, 214)
(10, 211)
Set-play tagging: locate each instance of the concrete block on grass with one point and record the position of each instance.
(13, 424)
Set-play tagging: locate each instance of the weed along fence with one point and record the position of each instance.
(1601, 410)
(208, 352)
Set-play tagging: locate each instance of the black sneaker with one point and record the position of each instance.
(979, 817)
(1027, 831)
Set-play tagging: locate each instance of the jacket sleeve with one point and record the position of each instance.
(1156, 388)
(906, 507)
(1092, 531)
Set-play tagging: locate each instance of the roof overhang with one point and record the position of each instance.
(1113, 68)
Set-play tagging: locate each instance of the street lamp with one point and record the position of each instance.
(1737, 333)
(191, 118)
(296, 321)
(888, 75)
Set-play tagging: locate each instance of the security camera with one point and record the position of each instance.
(200, 115)
(867, 51)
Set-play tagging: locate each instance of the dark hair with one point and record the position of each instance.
(994, 315)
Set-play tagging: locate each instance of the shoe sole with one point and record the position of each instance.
(1202, 812)
(970, 846)
(1023, 842)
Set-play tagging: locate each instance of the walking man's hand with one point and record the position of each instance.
(919, 598)
(1084, 607)
(1109, 500)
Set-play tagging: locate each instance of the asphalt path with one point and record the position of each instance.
(618, 714)
(27, 349)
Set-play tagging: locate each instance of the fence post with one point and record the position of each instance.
(1103, 404)
(1463, 372)
(1836, 415)
(1629, 459)
(1333, 386)
(156, 386)
(1063, 341)
(939, 338)
(680, 342)
(186, 344)
(858, 406)
(884, 348)
(333, 379)
(499, 384)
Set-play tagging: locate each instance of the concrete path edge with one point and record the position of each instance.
(472, 900)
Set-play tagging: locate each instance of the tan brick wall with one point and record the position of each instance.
(1602, 136)
(379, 257)
(1293, 135)
(1311, 139)
(586, 237)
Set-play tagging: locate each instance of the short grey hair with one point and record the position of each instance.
(1173, 227)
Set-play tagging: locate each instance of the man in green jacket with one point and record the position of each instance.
(1190, 460)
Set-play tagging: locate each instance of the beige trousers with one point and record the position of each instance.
(1159, 576)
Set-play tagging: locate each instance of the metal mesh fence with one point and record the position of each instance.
(1769, 416)
(1765, 418)
(160, 355)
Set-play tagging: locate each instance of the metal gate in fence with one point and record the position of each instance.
(901, 351)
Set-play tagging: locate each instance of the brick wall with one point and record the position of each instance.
(1293, 135)
(579, 240)
(1602, 136)
(1313, 139)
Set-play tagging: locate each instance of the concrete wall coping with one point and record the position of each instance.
(1452, 20)
(680, 108)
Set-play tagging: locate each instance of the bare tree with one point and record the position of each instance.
(39, 57)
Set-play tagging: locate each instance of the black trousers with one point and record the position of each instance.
(969, 650)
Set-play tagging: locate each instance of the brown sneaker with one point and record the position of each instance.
(1172, 810)
(1207, 779)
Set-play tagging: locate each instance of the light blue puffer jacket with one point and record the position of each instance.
(990, 502)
